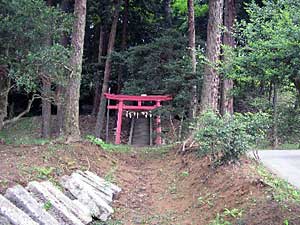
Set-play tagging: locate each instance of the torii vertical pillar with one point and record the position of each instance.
(158, 140)
(119, 123)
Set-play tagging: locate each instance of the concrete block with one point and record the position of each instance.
(87, 195)
(78, 209)
(23, 200)
(56, 208)
(13, 214)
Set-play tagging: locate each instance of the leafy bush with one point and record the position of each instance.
(226, 138)
(288, 118)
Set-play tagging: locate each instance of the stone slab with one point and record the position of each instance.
(100, 181)
(56, 208)
(104, 192)
(78, 209)
(87, 195)
(13, 214)
(4, 221)
(23, 200)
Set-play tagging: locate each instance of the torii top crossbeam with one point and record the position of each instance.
(120, 106)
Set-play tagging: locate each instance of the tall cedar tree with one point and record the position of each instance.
(228, 39)
(211, 80)
(192, 48)
(168, 12)
(4, 89)
(97, 75)
(107, 70)
(71, 120)
(46, 92)
(60, 89)
(123, 42)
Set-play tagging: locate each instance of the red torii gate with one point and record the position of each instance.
(120, 106)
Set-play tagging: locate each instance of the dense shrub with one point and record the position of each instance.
(226, 138)
(288, 118)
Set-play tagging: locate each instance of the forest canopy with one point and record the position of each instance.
(223, 55)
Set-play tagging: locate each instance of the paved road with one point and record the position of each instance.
(284, 163)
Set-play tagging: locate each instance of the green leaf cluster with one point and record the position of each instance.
(30, 33)
(269, 44)
(227, 138)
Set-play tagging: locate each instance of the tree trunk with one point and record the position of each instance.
(211, 80)
(228, 39)
(107, 71)
(4, 89)
(97, 75)
(46, 108)
(71, 119)
(192, 49)
(168, 12)
(275, 115)
(60, 89)
(123, 43)
(46, 91)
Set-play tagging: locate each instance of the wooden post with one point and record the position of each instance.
(158, 127)
(107, 120)
(119, 122)
(151, 131)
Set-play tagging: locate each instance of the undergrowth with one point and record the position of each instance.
(107, 146)
(280, 189)
(24, 132)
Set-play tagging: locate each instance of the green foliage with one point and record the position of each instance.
(180, 6)
(27, 29)
(44, 172)
(227, 138)
(269, 42)
(288, 118)
(164, 65)
(18, 133)
(220, 218)
(107, 146)
(47, 205)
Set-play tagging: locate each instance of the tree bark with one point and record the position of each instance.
(46, 108)
(192, 49)
(46, 91)
(275, 115)
(71, 119)
(107, 71)
(4, 89)
(168, 12)
(211, 80)
(97, 75)
(60, 89)
(228, 39)
(123, 43)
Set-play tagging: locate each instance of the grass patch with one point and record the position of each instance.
(233, 214)
(145, 151)
(280, 189)
(25, 132)
(107, 146)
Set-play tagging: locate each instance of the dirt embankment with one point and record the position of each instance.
(158, 188)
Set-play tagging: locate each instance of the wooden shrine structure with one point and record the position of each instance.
(140, 100)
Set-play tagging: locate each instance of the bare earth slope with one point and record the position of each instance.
(159, 187)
